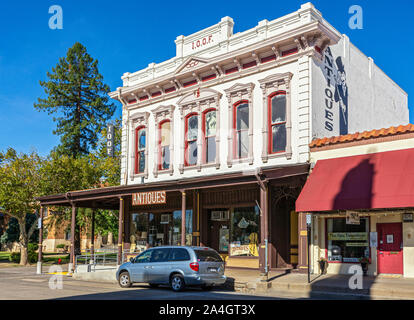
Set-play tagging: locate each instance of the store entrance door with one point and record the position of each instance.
(390, 252)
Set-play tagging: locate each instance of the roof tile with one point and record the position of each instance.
(409, 128)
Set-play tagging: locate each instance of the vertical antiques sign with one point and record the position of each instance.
(150, 197)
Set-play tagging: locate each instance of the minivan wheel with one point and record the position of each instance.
(206, 288)
(177, 282)
(124, 280)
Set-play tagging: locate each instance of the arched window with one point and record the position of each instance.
(277, 122)
(140, 146)
(241, 129)
(191, 134)
(164, 145)
(209, 133)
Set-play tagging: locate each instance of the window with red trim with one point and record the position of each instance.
(140, 146)
(191, 134)
(164, 145)
(241, 129)
(209, 134)
(277, 122)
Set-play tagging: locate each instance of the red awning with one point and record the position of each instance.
(373, 181)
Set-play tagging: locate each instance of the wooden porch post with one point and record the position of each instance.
(302, 243)
(120, 229)
(264, 231)
(72, 239)
(39, 259)
(93, 235)
(183, 217)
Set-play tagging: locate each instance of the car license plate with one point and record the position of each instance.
(212, 269)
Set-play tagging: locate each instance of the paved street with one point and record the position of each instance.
(22, 283)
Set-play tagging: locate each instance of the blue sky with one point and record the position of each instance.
(126, 35)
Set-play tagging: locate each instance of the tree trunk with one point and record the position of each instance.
(110, 239)
(23, 240)
(77, 242)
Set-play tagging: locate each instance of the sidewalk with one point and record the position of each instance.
(373, 287)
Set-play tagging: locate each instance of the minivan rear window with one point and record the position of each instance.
(207, 256)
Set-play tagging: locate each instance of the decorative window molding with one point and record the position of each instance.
(271, 85)
(138, 120)
(161, 115)
(234, 95)
(198, 102)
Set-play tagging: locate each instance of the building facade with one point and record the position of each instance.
(239, 103)
(215, 141)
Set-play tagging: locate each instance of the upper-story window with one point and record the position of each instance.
(209, 133)
(200, 115)
(240, 138)
(241, 129)
(191, 137)
(140, 147)
(277, 122)
(164, 145)
(276, 116)
(138, 123)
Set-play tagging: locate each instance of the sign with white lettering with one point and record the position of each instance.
(407, 217)
(373, 239)
(150, 197)
(352, 217)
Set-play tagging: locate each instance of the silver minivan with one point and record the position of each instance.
(176, 266)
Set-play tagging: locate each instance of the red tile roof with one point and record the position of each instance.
(409, 128)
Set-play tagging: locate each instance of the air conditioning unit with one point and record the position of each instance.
(220, 215)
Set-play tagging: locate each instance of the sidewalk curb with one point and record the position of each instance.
(375, 292)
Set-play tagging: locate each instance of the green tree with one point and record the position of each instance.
(77, 94)
(63, 173)
(19, 186)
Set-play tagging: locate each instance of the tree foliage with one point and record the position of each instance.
(77, 95)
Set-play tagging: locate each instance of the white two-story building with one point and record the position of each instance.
(215, 140)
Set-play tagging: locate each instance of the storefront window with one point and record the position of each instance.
(165, 145)
(191, 140)
(244, 237)
(278, 122)
(157, 229)
(210, 136)
(176, 228)
(242, 130)
(347, 242)
(140, 150)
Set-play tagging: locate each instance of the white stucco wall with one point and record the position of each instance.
(299, 133)
(374, 100)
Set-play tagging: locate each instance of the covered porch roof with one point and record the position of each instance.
(108, 197)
